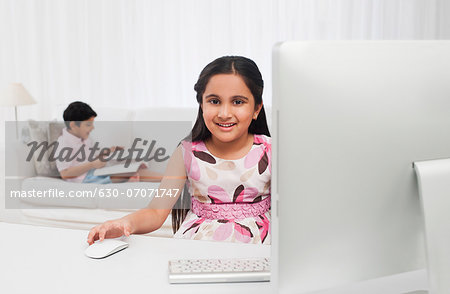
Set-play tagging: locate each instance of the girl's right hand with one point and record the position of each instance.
(110, 229)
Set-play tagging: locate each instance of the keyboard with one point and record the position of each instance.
(190, 271)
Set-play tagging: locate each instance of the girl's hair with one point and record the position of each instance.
(250, 74)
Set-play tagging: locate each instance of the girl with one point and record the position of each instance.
(227, 164)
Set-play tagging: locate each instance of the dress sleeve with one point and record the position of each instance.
(186, 149)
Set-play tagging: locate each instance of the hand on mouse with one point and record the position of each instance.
(109, 229)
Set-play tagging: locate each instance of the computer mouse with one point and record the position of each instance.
(105, 248)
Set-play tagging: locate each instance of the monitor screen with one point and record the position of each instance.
(350, 118)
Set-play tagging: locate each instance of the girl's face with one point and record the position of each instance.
(228, 107)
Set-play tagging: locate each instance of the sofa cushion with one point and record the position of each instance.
(54, 131)
(39, 134)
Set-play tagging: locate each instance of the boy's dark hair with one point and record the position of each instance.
(77, 111)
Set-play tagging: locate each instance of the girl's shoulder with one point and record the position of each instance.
(193, 146)
(262, 139)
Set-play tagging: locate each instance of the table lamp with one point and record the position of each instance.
(15, 95)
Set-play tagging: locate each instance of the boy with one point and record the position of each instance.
(79, 120)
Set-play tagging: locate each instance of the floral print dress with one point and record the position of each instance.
(218, 187)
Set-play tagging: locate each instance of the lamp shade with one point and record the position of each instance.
(15, 94)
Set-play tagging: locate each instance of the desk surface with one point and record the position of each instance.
(51, 260)
(37, 259)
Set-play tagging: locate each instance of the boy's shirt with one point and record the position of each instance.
(67, 140)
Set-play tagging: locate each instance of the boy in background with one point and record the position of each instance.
(79, 120)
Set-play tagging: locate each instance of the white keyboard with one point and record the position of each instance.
(190, 271)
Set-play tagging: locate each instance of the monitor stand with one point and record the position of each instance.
(433, 178)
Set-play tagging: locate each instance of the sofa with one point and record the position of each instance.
(85, 213)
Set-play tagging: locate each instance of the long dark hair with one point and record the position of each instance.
(249, 72)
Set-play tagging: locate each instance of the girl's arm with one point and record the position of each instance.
(153, 216)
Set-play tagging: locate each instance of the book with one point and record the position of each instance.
(119, 169)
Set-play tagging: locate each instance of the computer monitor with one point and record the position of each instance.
(350, 118)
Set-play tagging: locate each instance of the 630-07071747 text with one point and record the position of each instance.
(97, 192)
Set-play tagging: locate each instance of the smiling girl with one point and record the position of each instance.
(226, 165)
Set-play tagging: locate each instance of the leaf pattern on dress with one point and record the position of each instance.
(242, 233)
(263, 163)
(204, 156)
(244, 195)
(247, 175)
(191, 165)
(223, 232)
(213, 200)
(225, 165)
(187, 223)
(249, 194)
(257, 199)
(197, 194)
(199, 146)
(253, 157)
(202, 199)
(264, 227)
(211, 174)
(218, 194)
(267, 145)
(238, 195)
(260, 139)
(197, 223)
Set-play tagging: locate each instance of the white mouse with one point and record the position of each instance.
(105, 248)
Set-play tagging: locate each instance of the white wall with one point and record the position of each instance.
(140, 53)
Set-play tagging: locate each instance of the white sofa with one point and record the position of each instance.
(86, 213)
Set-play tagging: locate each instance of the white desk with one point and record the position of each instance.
(414, 282)
(50, 260)
(37, 259)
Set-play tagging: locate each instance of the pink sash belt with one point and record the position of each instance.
(230, 210)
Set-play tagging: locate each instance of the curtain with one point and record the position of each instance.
(143, 53)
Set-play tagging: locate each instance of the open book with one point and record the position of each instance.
(119, 169)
